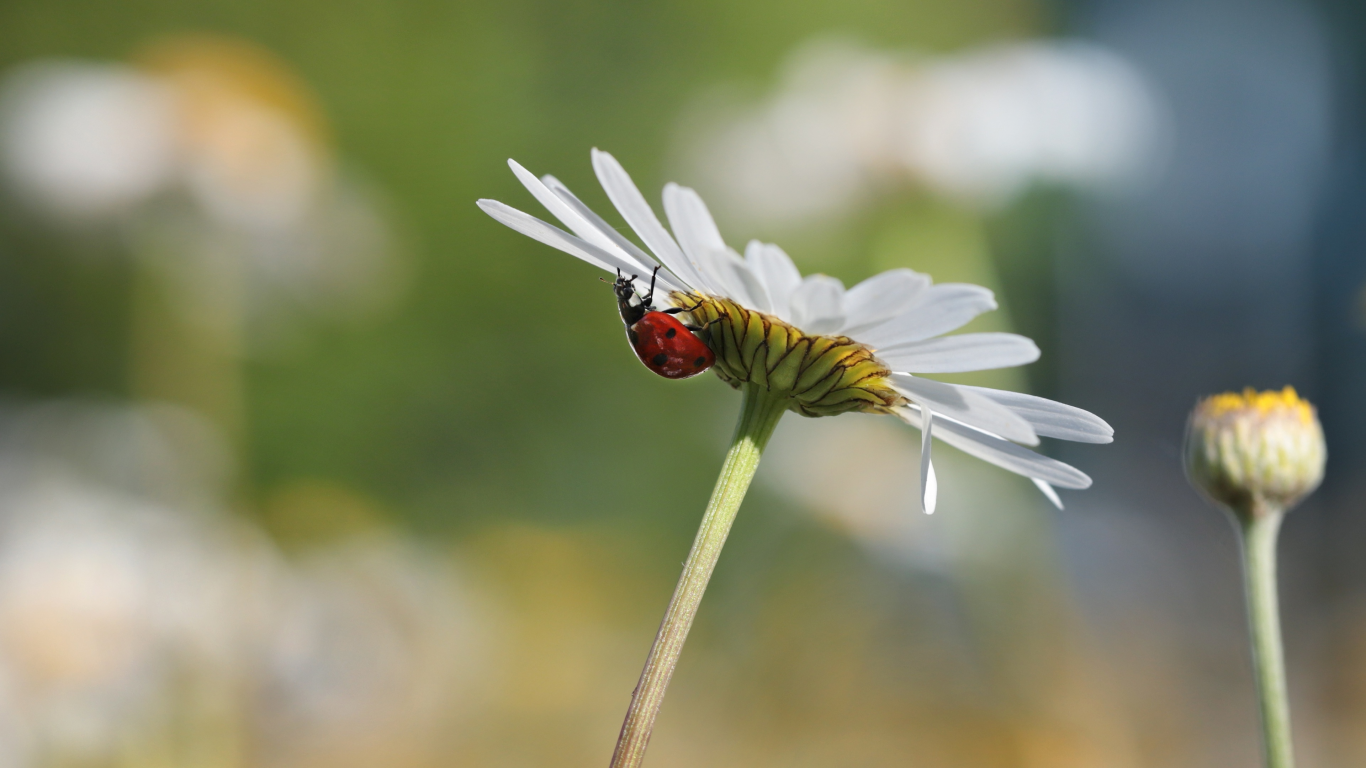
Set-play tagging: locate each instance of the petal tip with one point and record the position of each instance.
(1048, 491)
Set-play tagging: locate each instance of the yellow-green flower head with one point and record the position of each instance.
(1255, 452)
(826, 349)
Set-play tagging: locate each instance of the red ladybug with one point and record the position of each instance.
(662, 342)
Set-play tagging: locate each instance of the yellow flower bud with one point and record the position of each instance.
(1256, 453)
(822, 375)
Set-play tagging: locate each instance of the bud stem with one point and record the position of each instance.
(759, 414)
(1259, 532)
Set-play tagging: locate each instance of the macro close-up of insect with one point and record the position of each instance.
(663, 343)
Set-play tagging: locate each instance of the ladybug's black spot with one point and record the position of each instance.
(699, 362)
(672, 332)
(660, 359)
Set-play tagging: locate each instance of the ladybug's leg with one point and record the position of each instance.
(676, 310)
(699, 329)
(649, 302)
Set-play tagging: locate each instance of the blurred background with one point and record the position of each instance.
(304, 461)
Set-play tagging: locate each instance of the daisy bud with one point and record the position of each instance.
(823, 375)
(1256, 453)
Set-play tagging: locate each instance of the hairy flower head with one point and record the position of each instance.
(1255, 451)
(826, 349)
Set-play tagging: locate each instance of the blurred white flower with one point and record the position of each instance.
(375, 649)
(247, 163)
(131, 604)
(114, 568)
(982, 126)
(215, 158)
(816, 146)
(110, 604)
(86, 141)
(73, 590)
(978, 127)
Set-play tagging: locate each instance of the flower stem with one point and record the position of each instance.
(759, 414)
(1259, 570)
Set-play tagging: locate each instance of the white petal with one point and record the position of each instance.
(667, 279)
(702, 244)
(737, 273)
(690, 219)
(930, 495)
(1002, 453)
(1047, 491)
(557, 238)
(628, 200)
(591, 234)
(779, 275)
(818, 304)
(929, 486)
(569, 217)
(880, 298)
(966, 406)
(1053, 419)
(723, 276)
(957, 354)
(937, 310)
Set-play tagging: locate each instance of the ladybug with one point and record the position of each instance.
(662, 342)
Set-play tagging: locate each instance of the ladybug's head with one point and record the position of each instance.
(624, 288)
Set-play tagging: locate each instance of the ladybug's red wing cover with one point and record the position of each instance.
(668, 348)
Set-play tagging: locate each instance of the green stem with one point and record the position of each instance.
(1259, 570)
(758, 416)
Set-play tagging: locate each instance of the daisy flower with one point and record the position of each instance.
(804, 344)
(831, 350)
